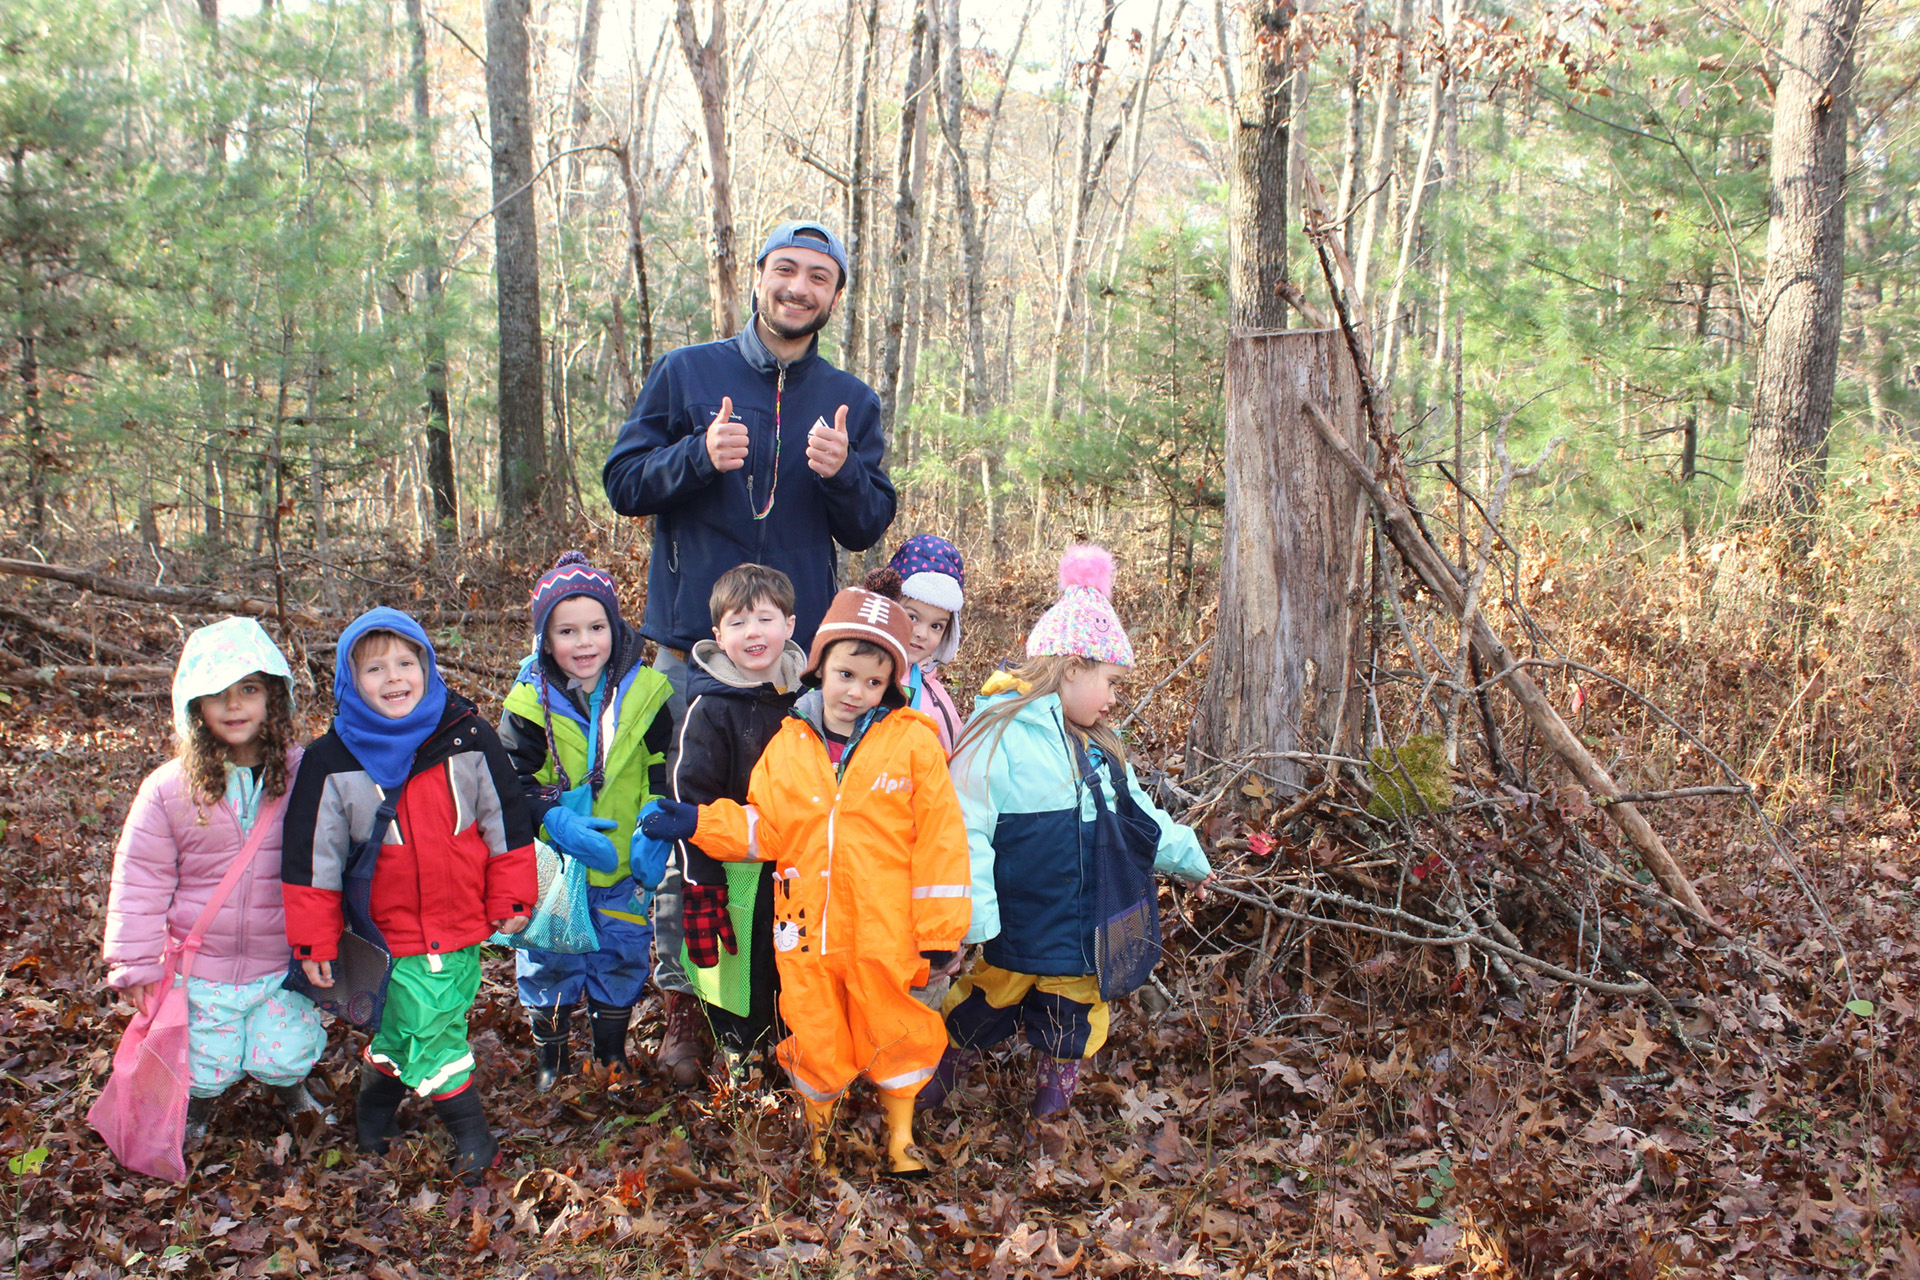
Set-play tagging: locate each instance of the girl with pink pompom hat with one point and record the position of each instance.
(1064, 847)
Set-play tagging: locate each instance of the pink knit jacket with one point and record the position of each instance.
(167, 865)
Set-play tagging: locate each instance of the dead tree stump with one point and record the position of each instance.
(1292, 559)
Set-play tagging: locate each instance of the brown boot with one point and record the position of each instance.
(687, 1045)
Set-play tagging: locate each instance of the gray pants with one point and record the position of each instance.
(669, 936)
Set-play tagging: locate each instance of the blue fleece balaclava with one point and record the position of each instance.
(384, 747)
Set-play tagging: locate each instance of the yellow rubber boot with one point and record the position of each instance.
(819, 1124)
(900, 1133)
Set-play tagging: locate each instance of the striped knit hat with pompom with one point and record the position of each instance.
(571, 575)
(1082, 622)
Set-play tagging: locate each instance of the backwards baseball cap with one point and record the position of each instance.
(807, 235)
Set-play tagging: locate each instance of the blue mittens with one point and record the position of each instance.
(583, 838)
(647, 855)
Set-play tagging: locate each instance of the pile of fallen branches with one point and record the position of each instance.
(79, 630)
(1513, 852)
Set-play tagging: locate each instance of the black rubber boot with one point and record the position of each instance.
(475, 1149)
(374, 1113)
(610, 1023)
(199, 1114)
(553, 1055)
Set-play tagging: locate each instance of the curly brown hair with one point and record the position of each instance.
(203, 757)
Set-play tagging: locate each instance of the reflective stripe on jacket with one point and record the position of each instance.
(871, 857)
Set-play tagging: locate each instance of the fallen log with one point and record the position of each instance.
(51, 677)
(199, 598)
(1437, 575)
(94, 645)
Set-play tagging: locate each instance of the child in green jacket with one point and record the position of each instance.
(587, 727)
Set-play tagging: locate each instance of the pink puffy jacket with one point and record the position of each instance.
(938, 704)
(166, 867)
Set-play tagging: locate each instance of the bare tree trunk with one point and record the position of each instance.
(919, 290)
(1293, 541)
(572, 197)
(1137, 127)
(1084, 183)
(1386, 142)
(1806, 241)
(523, 462)
(586, 53)
(446, 500)
(1291, 553)
(707, 63)
(39, 456)
(973, 393)
(637, 249)
(909, 172)
(1388, 324)
(868, 19)
(1356, 125)
(1257, 204)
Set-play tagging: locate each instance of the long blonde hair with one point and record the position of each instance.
(1036, 678)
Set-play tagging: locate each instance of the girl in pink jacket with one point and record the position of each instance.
(233, 712)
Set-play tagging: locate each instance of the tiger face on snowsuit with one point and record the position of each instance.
(870, 870)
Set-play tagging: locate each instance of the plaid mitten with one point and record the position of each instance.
(703, 916)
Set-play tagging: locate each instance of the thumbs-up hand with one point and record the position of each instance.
(726, 439)
(827, 445)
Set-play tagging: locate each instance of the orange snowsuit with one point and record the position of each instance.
(871, 870)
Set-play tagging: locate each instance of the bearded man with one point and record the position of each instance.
(750, 449)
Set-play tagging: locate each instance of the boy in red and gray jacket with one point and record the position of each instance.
(455, 865)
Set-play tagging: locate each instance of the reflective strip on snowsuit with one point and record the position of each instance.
(423, 1034)
(871, 870)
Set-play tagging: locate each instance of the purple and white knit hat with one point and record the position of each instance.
(1082, 622)
(932, 571)
(570, 576)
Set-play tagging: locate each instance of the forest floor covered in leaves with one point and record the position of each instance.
(1311, 1104)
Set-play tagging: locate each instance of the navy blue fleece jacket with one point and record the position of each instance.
(704, 519)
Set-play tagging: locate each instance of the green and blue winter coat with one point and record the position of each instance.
(541, 725)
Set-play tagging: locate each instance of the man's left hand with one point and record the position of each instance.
(827, 445)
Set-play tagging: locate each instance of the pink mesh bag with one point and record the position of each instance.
(142, 1111)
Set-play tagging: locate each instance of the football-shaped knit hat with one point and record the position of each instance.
(571, 575)
(864, 615)
(1082, 622)
(932, 572)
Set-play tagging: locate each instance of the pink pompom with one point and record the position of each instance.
(1087, 566)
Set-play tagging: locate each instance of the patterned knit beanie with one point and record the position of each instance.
(570, 576)
(932, 572)
(864, 615)
(1082, 622)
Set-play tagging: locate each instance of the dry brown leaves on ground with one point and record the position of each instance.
(1308, 1106)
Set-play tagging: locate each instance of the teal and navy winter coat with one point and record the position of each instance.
(1031, 824)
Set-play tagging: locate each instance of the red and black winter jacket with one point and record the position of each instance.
(458, 856)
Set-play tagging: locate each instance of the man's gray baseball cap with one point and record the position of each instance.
(806, 235)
